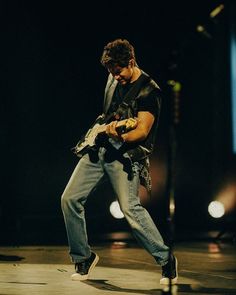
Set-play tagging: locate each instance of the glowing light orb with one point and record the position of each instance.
(115, 210)
(216, 209)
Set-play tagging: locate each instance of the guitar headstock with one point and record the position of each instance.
(126, 125)
(130, 124)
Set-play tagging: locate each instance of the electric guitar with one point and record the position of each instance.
(89, 140)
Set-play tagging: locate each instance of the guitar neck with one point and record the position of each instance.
(102, 128)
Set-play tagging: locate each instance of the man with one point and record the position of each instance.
(120, 153)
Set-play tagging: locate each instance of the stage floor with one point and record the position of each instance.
(124, 268)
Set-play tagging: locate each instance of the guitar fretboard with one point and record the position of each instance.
(119, 124)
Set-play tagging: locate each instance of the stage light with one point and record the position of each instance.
(115, 210)
(216, 11)
(207, 29)
(216, 209)
(204, 31)
(227, 196)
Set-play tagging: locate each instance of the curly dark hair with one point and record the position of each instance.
(117, 53)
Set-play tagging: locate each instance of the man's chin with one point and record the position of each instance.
(122, 82)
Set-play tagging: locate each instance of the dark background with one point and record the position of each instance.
(52, 90)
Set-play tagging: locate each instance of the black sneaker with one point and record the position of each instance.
(84, 268)
(170, 271)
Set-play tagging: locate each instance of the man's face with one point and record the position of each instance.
(122, 74)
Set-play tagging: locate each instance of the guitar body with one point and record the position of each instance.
(89, 140)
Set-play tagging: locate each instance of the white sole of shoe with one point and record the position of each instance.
(166, 281)
(78, 277)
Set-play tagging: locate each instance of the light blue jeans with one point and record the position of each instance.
(85, 177)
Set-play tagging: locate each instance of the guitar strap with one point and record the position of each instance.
(132, 93)
(128, 99)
